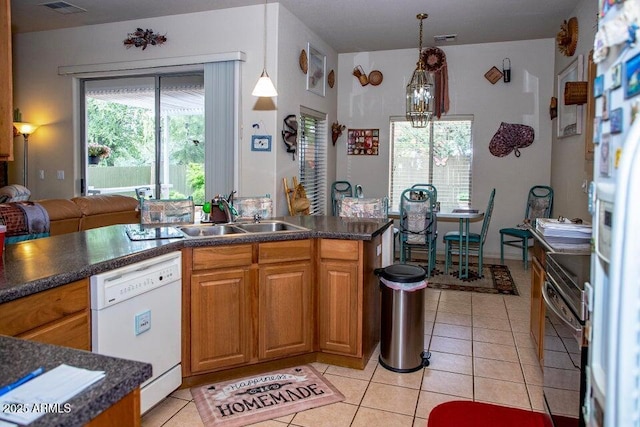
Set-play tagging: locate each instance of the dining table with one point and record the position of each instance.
(464, 217)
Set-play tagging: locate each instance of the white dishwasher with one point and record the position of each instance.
(136, 314)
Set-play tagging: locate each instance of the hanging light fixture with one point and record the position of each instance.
(264, 86)
(420, 93)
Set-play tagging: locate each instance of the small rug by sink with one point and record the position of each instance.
(262, 397)
(496, 279)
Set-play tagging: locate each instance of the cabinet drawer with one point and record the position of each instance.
(291, 250)
(72, 331)
(36, 310)
(347, 250)
(222, 256)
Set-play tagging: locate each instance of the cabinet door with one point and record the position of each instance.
(71, 331)
(537, 306)
(6, 83)
(284, 310)
(220, 319)
(338, 307)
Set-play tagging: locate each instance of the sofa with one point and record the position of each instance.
(87, 212)
(27, 220)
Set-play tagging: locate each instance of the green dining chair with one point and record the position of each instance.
(339, 189)
(476, 241)
(539, 205)
(418, 225)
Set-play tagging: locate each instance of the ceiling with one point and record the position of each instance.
(346, 25)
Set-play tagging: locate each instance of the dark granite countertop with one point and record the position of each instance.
(36, 265)
(18, 357)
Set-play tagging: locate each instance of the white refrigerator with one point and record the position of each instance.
(613, 374)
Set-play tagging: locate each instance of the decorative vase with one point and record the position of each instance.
(94, 160)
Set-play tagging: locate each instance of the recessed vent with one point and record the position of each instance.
(63, 7)
(445, 38)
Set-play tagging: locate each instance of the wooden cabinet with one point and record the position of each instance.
(220, 307)
(340, 297)
(284, 308)
(338, 307)
(285, 320)
(57, 316)
(538, 277)
(6, 83)
(249, 303)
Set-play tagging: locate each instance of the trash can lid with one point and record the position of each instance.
(403, 273)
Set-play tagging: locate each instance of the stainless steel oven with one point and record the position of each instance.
(565, 342)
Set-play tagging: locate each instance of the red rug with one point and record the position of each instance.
(476, 414)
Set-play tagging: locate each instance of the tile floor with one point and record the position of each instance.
(480, 350)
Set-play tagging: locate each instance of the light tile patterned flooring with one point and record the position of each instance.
(480, 350)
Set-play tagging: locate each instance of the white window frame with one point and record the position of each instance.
(429, 179)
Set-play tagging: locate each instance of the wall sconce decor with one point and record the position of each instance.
(143, 38)
(493, 75)
(336, 131)
(361, 75)
(506, 70)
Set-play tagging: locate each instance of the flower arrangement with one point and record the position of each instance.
(99, 150)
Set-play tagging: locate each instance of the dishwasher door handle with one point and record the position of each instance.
(557, 312)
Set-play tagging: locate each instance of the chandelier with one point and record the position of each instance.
(420, 90)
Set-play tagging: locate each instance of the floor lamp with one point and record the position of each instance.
(25, 129)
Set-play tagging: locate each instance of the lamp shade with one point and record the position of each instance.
(264, 86)
(25, 128)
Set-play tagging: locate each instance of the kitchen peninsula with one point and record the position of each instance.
(321, 276)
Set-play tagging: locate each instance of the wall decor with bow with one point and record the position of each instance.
(290, 134)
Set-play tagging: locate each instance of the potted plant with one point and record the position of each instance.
(97, 152)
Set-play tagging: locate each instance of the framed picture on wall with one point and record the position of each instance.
(317, 69)
(569, 121)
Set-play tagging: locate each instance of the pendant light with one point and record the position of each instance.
(420, 90)
(264, 86)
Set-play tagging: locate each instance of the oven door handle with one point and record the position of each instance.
(553, 308)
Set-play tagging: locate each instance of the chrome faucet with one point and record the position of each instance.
(257, 217)
(226, 208)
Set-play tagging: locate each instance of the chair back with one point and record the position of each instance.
(429, 187)
(487, 216)
(539, 202)
(339, 189)
(417, 218)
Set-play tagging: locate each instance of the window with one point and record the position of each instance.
(173, 133)
(148, 144)
(312, 159)
(439, 154)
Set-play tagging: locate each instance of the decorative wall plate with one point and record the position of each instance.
(567, 38)
(375, 77)
(304, 66)
(331, 79)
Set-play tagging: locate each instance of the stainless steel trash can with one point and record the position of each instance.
(402, 318)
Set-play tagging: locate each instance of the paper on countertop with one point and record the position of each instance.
(554, 228)
(40, 395)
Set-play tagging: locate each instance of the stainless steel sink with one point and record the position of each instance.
(211, 230)
(269, 227)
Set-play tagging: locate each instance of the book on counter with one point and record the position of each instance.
(46, 393)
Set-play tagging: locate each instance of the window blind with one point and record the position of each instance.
(312, 159)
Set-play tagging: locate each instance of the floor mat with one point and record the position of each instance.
(496, 279)
(261, 397)
(477, 414)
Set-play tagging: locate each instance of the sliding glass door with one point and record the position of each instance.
(146, 134)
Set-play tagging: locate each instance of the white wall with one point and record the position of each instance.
(524, 100)
(293, 36)
(46, 98)
(569, 169)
